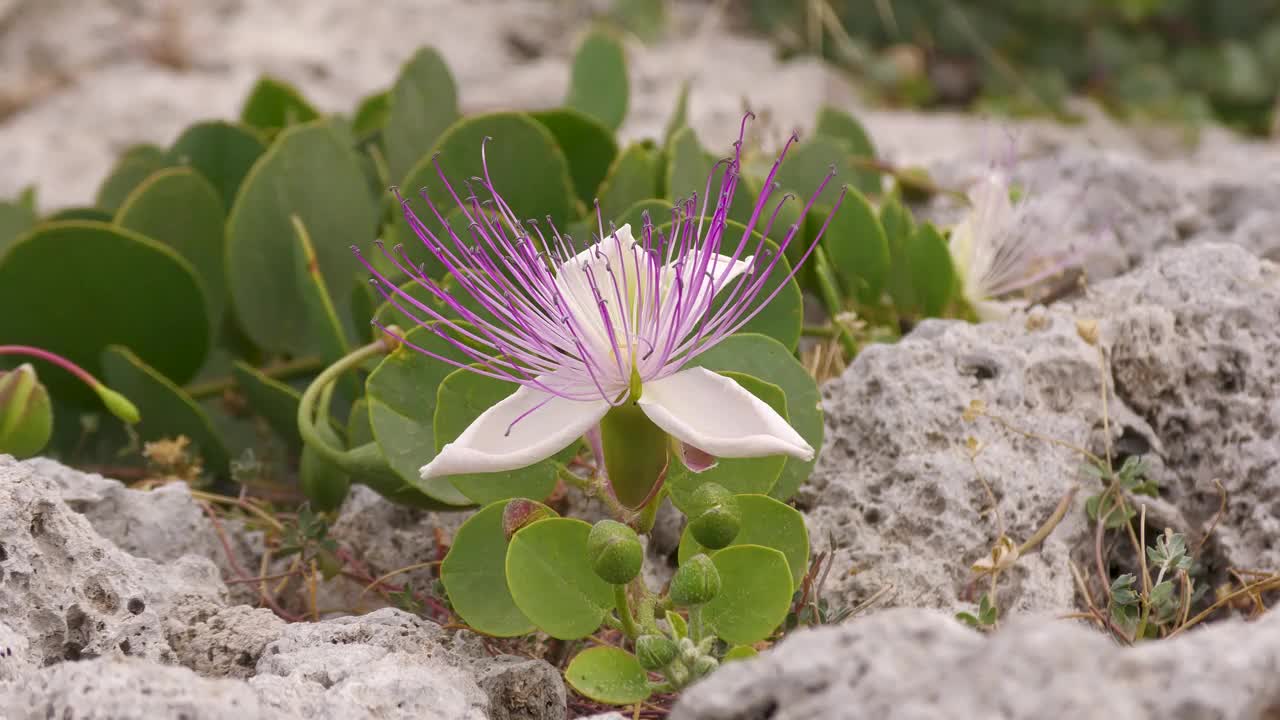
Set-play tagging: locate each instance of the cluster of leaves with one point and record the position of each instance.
(1168, 60)
(212, 279)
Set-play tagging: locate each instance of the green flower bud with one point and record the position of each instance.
(689, 652)
(704, 665)
(677, 675)
(714, 516)
(695, 583)
(655, 651)
(521, 513)
(615, 552)
(26, 417)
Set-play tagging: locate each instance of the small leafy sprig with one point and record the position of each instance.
(1130, 478)
(308, 536)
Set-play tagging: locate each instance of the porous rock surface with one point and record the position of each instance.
(907, 664)
(88, 630)
(1189, 343)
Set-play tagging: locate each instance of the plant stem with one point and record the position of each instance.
(820, 331)
(307, 405)
(58, 360)
(624, 611)
(695, 624)
(283, 371)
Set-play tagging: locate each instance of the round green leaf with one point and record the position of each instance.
(311, 174)
(81, 213)
(598, 84)
(273, 104)
(858, 249)
(632, 177)
(553, 583)
(402, 392)
(179, 208)
(100, 285)
(271, 399)
(322, 328)
(767, 359)
(371, 114)
(525, 165)
(768, 523)
(15, 219)
(808, 163)
(688, 166)
(738, 475)
(135, 165)
(423, 102)
(167, 411)
(933, 278)
(460, 399)
(588, 145)
(475, 576)
(608, 675)
(755, 594)
(221, 151)
(740, 652)
(843, 126)
(359, 429)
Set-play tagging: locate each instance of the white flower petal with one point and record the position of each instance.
(574, 280)
(492, 444)
(719, 417)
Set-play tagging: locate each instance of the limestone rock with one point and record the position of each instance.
(921, 664)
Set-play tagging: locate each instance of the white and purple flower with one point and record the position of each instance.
(610, 326)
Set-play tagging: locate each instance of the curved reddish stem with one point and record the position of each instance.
(58, 360)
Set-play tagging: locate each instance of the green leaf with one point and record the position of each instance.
(768, 523)
(525, 166)
(135, 165)
(842, 126)
(738, 475)
(461, 398)
(755, 594)
(932, 275)
(598, 84)
(679, 115)
(475, 576)
(181, 209)
(272, 400)
(402, 393)
(740, 652)
(808, 163)
(659, 213)
(100, 285)
(858, 249)
(422, 104)
(167, 411)
(371, 114)
(588, 146)
(608, 675)
(274, 104)
(688, 166)
(896, 221)
(15, 219)
(359, 429)
(26, 413)
(323, 484)
(81, 213)
(309, 172)
(222, 152)
(552, 581)
(767, 359)
(323, 328)
(632, 177)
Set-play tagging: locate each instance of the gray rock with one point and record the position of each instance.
(228, 644)
(131, 689)
(521, 689)
(13, 654)
(72, 594)
(1191, 369)
(922, 664)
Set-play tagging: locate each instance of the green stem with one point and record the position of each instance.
(283, 371)
(570, 478)
(624, 611)
(320, 389)
(820, 331)
(828, 289)
(695, 624)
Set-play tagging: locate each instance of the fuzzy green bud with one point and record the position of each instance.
(655, 651)
(714, 516)
(521, 513)
(26, 417)
(615, 552)
(704, 666)
(695, 583)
